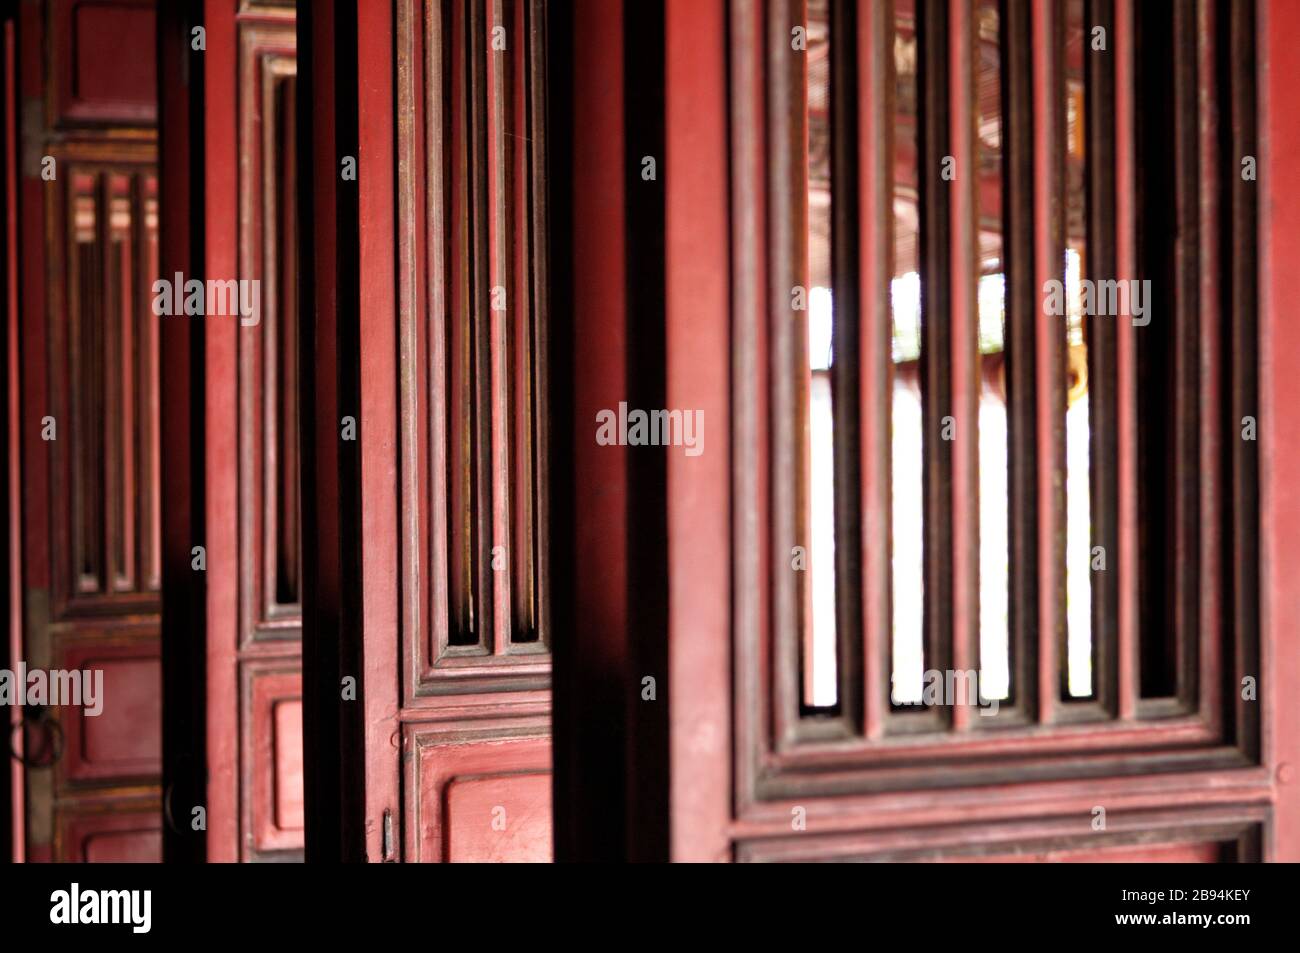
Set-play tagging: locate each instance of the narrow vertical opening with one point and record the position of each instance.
(1079, 555)
(820, 664)
(1167, 347)
(995, 673)
(288, 545)
(907, 443)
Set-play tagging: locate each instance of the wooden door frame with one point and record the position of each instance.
(1279, 237)
(181, 156)
(699, 278)
(221, 432)
(11, 776)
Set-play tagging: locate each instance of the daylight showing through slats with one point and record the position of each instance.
(1037, 246)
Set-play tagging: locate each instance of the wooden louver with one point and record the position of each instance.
(1171, 484)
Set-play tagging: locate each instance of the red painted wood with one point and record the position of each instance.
(1049, 252)
(1206, 801)
(377, 430)
(875, 207)
(14, 622)
(964, 271)
(130, 834)
(1279, 206)
(488, 800)
(222, 434)
(273, 732)
(499, 819)
(253, 633)
(1202, 853)
(1126, 385)
(103, 62)
(89, 536)
(699, 355)
(123, 741)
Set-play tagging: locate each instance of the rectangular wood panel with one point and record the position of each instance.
(111, 833)
(1172, 756)
(479, 798)
(89, 404)
(102, 61)
(456, 660)
(255, 624)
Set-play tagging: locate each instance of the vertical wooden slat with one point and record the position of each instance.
(376, 328)
(108, 320)
(421, 290)
(520, 338)
(1023, 305)
(125, 225)
(1101, 336)
(964, 275)
(1126, 361)
(1189, 391)
(479, 250)
(501, 268)
(1049, 162)
(787, 184)
(538, 192)
(875, 144)
(12, 777)
(434, 287)
(150, 463)
(933, 151)
(849, 354)
(1211, 279)
(460, 391)
(753, 541)
(1246, 348)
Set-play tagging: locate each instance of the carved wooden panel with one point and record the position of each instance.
(472, 297)
(271, 761)
(92, 551)
(268, 350)
(472, 284)
(263, 699)
(479, 798)
(111, 832)
(102, 61)
(1202, 835)
(122, 741)
(104, 387)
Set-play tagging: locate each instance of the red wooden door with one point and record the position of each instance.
(252, 542)
(869, 166)
(431, 337)
(87, 411)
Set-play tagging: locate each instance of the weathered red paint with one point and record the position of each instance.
(222, 434)
(699, 356)
(1279, 424)
(377, 427)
